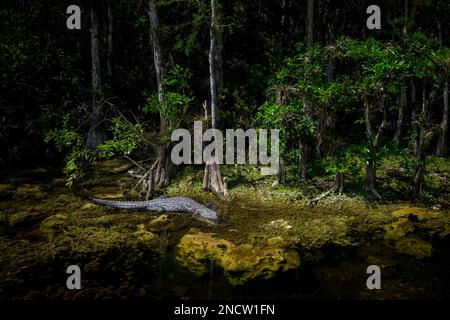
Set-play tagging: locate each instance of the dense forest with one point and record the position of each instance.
(135, 71)
(362, 113)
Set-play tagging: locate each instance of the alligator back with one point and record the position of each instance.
(173, 204)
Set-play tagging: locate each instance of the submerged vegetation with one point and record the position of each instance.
(45, 226)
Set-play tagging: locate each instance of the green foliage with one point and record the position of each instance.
(175, 106)
(289, 119)
(379, 68)
(126, 138)
(176, 98)
(71, 142)
(350, 161)
(75, 163)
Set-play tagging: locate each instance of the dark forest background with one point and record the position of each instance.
(345, 97)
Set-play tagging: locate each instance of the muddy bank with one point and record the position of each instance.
(274, 246)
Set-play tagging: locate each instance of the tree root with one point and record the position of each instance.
(337, 188)
(375, 193)
(213, 181)
(159, 174)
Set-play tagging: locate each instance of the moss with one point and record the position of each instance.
(240, 263)
(276, 241)
(319, 232)
(30, 191)
(146, 236)
(159, 220)
(112, 166)
(398, 229)
(107, 192)
(413, 226)
(415, 247)
(416, 212)
(25, 219)
(53, 225)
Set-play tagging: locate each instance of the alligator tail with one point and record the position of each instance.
(122, 204)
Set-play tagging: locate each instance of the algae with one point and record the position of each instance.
(240, 263)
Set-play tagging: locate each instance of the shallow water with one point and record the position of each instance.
(45, 227)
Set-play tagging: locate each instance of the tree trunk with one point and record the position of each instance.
(302, 160)
(95, 56)
(374, 139)
(418, 178)
(281, 179)
(157, 61)
(413, 138)
(370, 176)
(405, 25)
(326, 116)
(443, 127)
(283, 13)
(212, 179)
(213, 59)
(369, 179)
(339, 182)
(401, 109)
(96, 134)
(419, 174)
(304, 146)
(163, 169)
(309, 23)
(109, 65)
(441, 147)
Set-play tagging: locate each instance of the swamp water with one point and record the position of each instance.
(272, 248)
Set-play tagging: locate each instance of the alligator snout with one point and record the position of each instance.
(221, 221)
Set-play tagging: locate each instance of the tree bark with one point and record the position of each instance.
(302, 159)
(283, 13)
(109, 64)
(419, 173)
(401, 109)
(405, 26)
(417, 183)
(96, 134)
(95, 56)
(326, 116)
(441, 147)
(369, 178)
(281, 178)
(413, 146)
(309, 23)
(212, 179)
(213, 59)
(163, 169)
(157, 61)
(374, 139)
(304, 146)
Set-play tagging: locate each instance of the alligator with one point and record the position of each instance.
(166, 204)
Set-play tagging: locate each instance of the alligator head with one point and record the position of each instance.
(210, 216)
